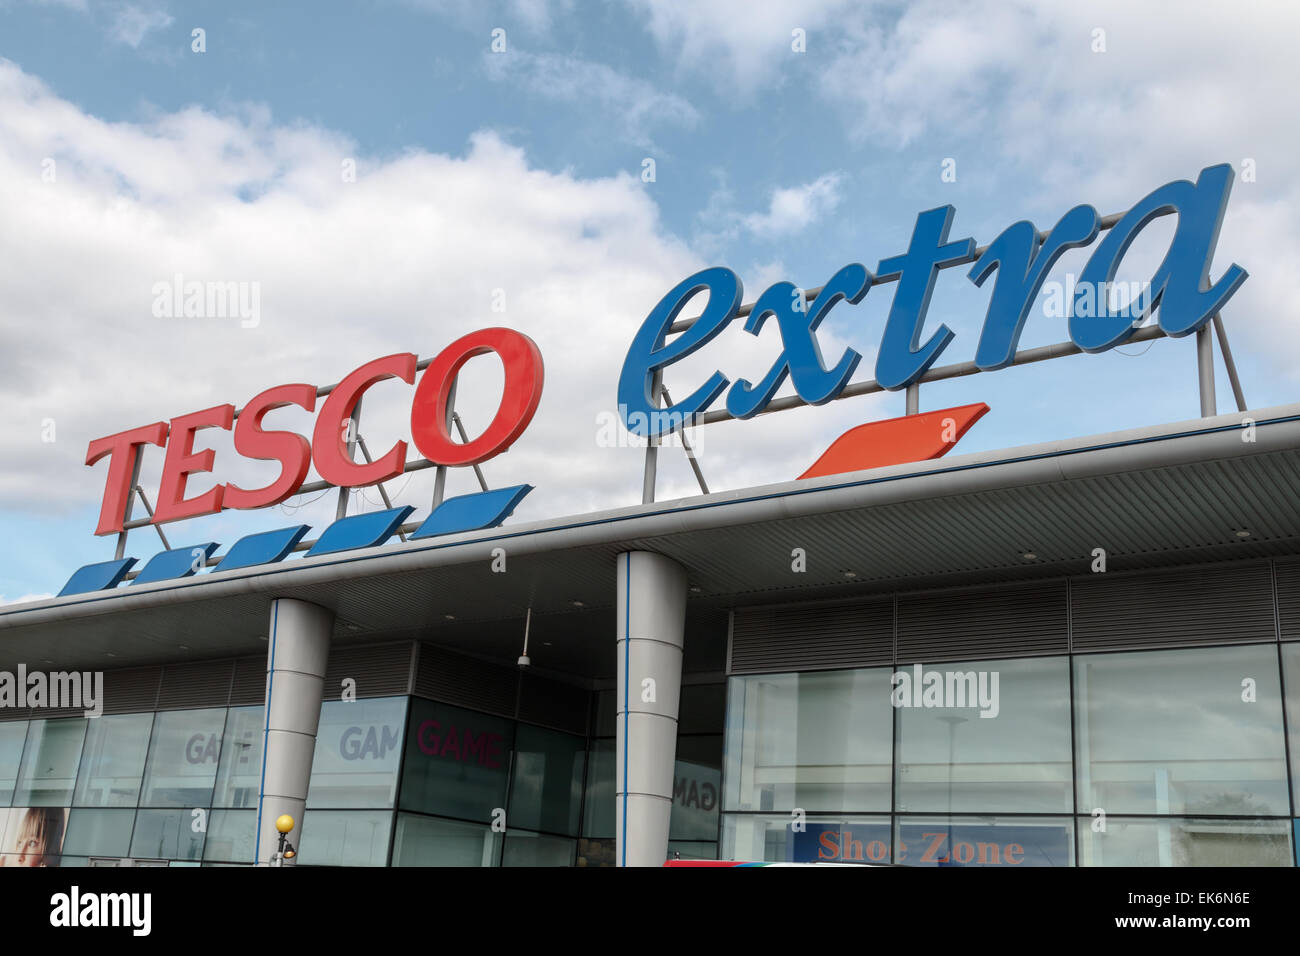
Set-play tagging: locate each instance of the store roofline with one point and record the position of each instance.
(1277, 428)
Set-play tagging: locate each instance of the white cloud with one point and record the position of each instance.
(741, 45)
(25, 598)
(404, 259)
(131, 23)
(633, 105)
(794, 208)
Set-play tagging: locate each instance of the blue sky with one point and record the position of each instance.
(521, 171)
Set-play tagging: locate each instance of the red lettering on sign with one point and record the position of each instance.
(122, 450)
(182, 461)
(291, 450)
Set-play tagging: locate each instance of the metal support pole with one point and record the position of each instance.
(460, 430)
(1222, 334)
(354, 429)
(130, 501)
(365, 453)
(686, 445)
(652, 447)
(440, 476)
(914, 398)
(145, 501)
(1205, 371)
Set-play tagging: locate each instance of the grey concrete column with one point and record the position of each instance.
(651, 625)
(298, 650)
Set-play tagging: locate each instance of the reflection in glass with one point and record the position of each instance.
(1181, 732)
(168, 835)
(99, 833)
(428, 841)
(231, 836)
(358, 749)
(456, 762)
(1017, 760)
(13, 733)
(1185, 842)
(599, 810)
(546, 787)
(984, 841)
(697, 789)
(771, 838)
(537, 849)
(345, 837)
(183, 758)
(240, 769)
(818, 741)
(50, 758)
(112, 761)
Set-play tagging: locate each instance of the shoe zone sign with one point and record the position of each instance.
(930, 844)
(1013, 266)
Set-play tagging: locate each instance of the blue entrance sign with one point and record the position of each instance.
(1019, 258)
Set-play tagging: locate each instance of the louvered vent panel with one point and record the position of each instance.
(1222, 605)
(131, 690)
(983, 624)
(811, 637)
(1288, 599)
(553, 703)
(249, 685)
(203, 684)
(465, 681)
(380, 670)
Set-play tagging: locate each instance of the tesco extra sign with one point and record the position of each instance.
(328, 449)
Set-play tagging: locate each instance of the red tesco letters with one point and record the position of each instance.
(524, 377)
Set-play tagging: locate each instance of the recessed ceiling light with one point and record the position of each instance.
(184, 647)
(46, 660)
(850, 574)
(109, 654)
(449, 617)
(1030, 556)
(546, 643)
(578, 603)
(696, 589)
(1243, 533)
(352, 626)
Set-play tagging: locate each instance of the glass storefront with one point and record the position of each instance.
(1150, 758)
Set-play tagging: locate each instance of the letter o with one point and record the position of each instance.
(520, 396)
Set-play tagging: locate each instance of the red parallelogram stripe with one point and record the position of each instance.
(896, 441)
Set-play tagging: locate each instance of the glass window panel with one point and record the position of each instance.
(1169, 732)
(167, 835)
(683, 850)
(1015, 760)
(32, 836)
(595, 852)
(1185, 842)
(697, 787)
(606, 712)
(546, 787)
(99, 833)
(345, 837)
(703, 709)
(599, 810)
(985, 841)
(538, 849)
(112, 761)
(13, 734)
(428, 841)
(819, 741)
(239, 774)
(358, 750)
(50, 758)
(183, 758)
(231, 836)
(1291, 668)
(456, 761)
(771, 838)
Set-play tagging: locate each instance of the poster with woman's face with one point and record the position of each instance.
(33, 836)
